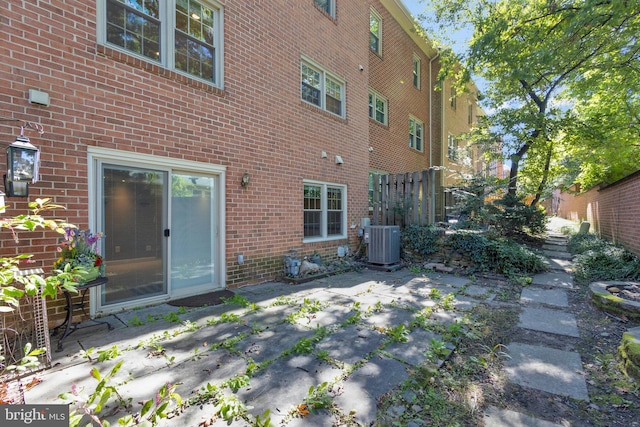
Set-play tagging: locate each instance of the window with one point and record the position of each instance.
(328, 6)
(322, 89)
(453, 97)
(416, 71)
(324, 211)
(375, 32)
(191, 44)
(416, 130)
(452, 148)
(378, 107)
(470, 114)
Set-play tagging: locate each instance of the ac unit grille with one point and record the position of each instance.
(384, 244)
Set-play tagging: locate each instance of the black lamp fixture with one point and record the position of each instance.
(23, 160)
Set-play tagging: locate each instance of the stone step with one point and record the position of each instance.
(546, 369)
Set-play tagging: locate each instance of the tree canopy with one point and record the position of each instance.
(563, 83)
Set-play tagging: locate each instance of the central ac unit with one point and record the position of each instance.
(384, 244)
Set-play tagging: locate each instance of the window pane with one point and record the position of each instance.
(194, 41)
(324, 5)
(371, 106)
(334, 223)
(311, 85)
(374, 33)
(135, 29)
(312, 224)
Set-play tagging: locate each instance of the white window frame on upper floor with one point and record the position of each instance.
(374, 99)
(413, 137)
(452, 148)
(374, 16)
(328, 6)
(168, 33)
(324, 82)
(323, 210)
(417, 71)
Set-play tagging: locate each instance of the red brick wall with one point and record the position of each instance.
(613, 211)
(256, 124)
(391, 74)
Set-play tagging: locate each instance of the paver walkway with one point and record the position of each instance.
(545, 310)
(353, 337)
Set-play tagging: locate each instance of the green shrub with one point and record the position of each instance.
(472, 245)
(578, 243)
(420, 241)
(606, 262)
(511, 216)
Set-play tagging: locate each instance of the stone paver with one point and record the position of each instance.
(554, 297)
(553, 279)
(547, 320)
(546, 369)
(495, 417)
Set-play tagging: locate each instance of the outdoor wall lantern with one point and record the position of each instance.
(245, 179)
(23, 160)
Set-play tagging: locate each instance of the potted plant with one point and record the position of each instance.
(80, 255)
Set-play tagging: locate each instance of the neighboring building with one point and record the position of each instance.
(207, 139)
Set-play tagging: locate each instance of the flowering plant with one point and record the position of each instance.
(79, 251)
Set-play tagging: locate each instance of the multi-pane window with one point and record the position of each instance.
(322, 89)
(416, 132)
(191, 44)
(328, 6)
(452, 148)
(375, 32)
(378, 107)
(324, 211)
(416, 71)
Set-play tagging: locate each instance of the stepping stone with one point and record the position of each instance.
(547, 320)
(554, 247)
(556, 254)
(553, 279)
(496, 417)
(555, 297)
(555, 264)
(546, 369)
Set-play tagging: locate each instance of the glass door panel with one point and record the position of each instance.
(134, 220)
(192, 234)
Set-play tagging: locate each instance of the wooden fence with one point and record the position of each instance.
(404, 199)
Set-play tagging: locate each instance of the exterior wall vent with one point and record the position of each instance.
(384, 244)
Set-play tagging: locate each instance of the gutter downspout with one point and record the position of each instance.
(432, 175)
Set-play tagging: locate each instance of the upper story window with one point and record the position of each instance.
(452, 148)
(184, 35)
(375, 32)
(416, 71)
(453, 99)
(378, 107)
(470, 114)
(321, 88)
(416, 134)
(328, 6)
(324, 211)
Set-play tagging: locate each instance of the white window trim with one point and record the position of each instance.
(416, 59)
(323, 202)
(167, 39)
(378, 96)
(378, 17)
(332, 6)
(452, 148)
(323, 90)
(421, 123)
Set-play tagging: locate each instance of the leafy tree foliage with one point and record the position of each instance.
(550, 64)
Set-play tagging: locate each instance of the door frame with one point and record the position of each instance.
(128, 158)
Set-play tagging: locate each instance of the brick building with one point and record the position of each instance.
(208, 138)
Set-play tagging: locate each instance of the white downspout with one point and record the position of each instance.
(431, 109)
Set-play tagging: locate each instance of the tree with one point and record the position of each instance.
(539, 58)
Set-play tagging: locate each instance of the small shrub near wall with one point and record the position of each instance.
(597, 259)
(418, 242)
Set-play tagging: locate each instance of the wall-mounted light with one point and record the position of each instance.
(23, 160)
(245, 179)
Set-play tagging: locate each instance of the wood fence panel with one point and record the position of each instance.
(404, 199)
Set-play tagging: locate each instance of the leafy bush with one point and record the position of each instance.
(511, 216)
(420, 241)
(602, 260)
(579, 243)
(472, 245)
(496, 254)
